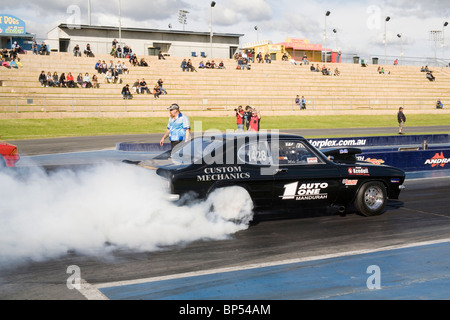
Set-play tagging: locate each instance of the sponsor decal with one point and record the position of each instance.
(223, 173)
(306, 191)
(358, 171)
(395, 180)
(312, 160)
(338, 143)
(439, 160)
(349, 182)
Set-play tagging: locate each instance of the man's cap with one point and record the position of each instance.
(174, 106)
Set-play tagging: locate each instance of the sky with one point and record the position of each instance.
(360, 25)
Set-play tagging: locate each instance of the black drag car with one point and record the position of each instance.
(280, 171)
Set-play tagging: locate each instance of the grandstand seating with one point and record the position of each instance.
(271, 88)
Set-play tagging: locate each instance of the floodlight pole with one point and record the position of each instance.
(385, 39)
(213, 3)
(120, 23)
(443, 39)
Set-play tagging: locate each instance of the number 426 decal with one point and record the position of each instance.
(306, 191)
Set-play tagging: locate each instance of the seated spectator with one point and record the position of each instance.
(56, 80)
(70, 81)
(245, 64)
(318, 68)
(76, 51)
(160, 84)
(88, 52)
(109, 78)
(190, 66)
(143, 86)
(137, 87)
(119, 67)
(62, 80)
(337, 73)
(5, 55)
(267, 58)
(49, 80)
(13, 64)
(44, 49)
(111, 66)
(119, 53)
(134, 61)
(363, 63)
(80, 80)
(184, 65)
(422, 69)
(143, 63)
(103, 67)
(156, 91)
(201, 65)
(116, 75)
(126, 92)
(126, 51)
(213, 65)
(98, 65)
(208, 65)
(95, 81)
(87, 81)
(312, 68)
(43, 79)
(439, 104)
(430, 76)
(305, 60)
(125, 69)
(221, 65)
(161, 56)
(113, 51)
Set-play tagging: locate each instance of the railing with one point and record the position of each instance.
(146, 103)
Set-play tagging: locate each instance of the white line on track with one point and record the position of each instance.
(92, 292)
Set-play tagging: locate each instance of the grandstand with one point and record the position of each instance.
(271, 88)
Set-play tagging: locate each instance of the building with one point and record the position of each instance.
(294, 48)
(64, 38)
(13, 29)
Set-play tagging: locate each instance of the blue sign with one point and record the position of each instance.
(11, 26)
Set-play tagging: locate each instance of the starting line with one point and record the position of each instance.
(412, 271)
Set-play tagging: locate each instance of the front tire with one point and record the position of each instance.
(371, 199)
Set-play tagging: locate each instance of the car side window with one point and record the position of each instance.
(255, 153)
(296, 153)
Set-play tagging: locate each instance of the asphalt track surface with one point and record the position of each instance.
(323, 256)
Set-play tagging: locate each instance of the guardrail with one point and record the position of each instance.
(147, 103)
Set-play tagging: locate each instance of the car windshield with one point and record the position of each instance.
(195, 150)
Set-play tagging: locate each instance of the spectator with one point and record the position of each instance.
(184, 65)
(116, 75)
(161, 56)
(87, 81)
(201, 65)
(430, 76)
(363, 63)
(245, 64)
(255, 120)
(103, 67)
(160, 84)
(80, 80)
(143, 63)
(312, 68)
(143, 86)
(49, 80)
(94, 81)
(297, 101)
(247, 117)
(98, 66)
(56, 80)
(119, 67)
(221, 65)
(137, 87)
(439, 104)
(76, 51)
(208, 65)
(125, 68)
(44, 49)
(178, 128)
(43, 79)
(70, 81)
(134, 61)
(113, 51)
(240, 118)
(213, 64)
(191, 66)
(401, 120)
(267, 58)
(62, 80)
(337, 73)
(303, 103)
(285, 57)
(34, 47)
(119, 52)
(109, 78)
(126, 92)
(156, 92)
(259, 57)
(88, 52)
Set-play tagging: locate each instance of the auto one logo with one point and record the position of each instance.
(439, 160)
(306, 191)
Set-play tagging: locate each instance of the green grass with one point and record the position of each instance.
(13, 129)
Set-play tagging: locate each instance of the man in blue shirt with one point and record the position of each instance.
(178, 128)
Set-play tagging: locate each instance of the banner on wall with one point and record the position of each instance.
(11, 26)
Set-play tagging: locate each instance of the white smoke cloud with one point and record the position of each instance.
(43, 216)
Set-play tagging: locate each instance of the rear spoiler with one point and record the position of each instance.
(343, 155)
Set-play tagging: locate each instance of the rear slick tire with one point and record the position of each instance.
(371, 199)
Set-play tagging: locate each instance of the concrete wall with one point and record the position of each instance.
(178, 45)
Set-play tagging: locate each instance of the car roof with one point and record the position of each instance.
(265, 134)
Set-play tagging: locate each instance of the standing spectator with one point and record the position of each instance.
(34, 47)
(178, 128)
(240, 118)
(126, 92)
(401, 120)
(255, 120)
(247, 117)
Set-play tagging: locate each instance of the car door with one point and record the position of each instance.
(303, 178)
